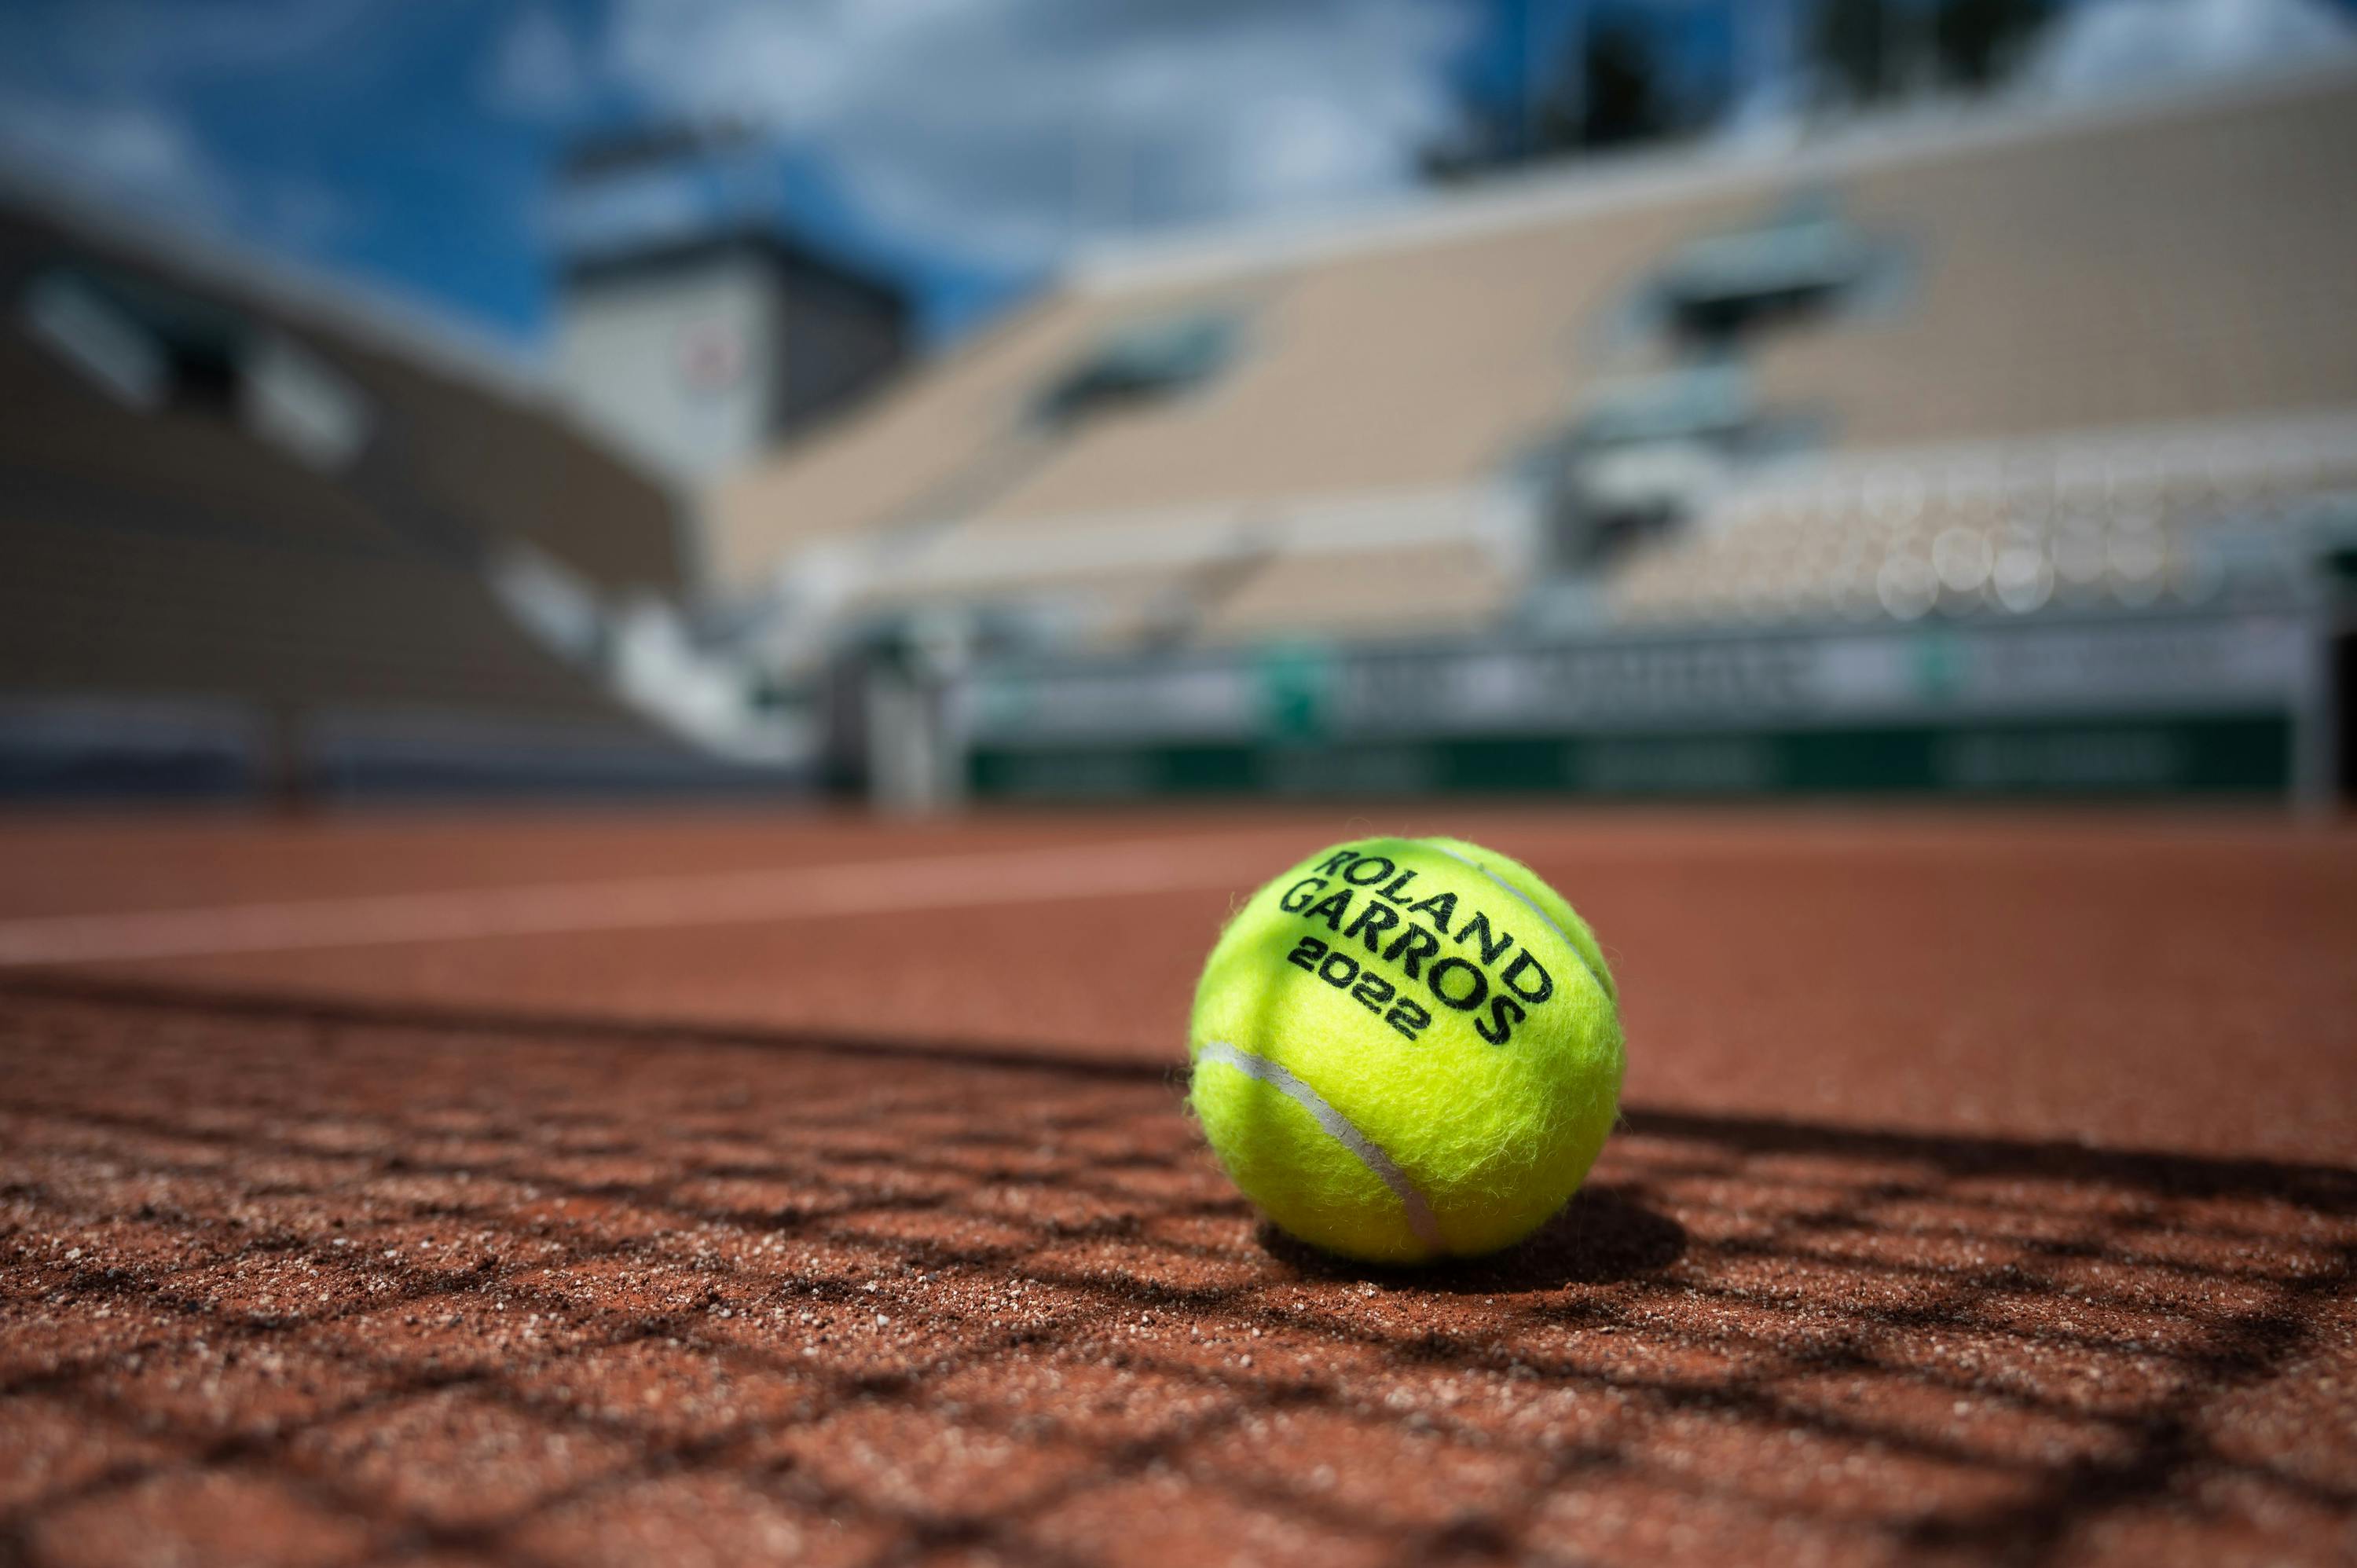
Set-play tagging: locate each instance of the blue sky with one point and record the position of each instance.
(960, 146)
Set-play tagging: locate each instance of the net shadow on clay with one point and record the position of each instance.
(517, 1291)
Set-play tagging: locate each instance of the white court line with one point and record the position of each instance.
(796, 892)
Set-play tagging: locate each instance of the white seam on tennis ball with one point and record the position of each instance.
(1545, 918)
(1339, 1127)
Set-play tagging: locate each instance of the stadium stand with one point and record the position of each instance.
(2056, 277)
(1972, 367)
(254, 538)
(2006, 364)
(2182, 514)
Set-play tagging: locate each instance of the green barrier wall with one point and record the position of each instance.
(2199, 754)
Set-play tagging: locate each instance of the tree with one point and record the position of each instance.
(1620, 97)
(1851, 42)
(1979, 41)
(1610, 87)
(1624, 97)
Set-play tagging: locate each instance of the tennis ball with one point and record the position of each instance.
(1405, 1049)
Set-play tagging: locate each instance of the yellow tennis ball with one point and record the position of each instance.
(1405, 1049)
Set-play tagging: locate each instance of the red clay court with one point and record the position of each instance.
(730, 1187)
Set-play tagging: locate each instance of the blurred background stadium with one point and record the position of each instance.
(1851, 397)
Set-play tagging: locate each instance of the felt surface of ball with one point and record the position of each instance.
(1405, 1049)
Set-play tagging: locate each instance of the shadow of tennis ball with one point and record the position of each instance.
(1601, 1237)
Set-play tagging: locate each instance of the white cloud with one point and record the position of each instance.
(1006, 130)
(134, 153)
(537, 71)
(96, 105)
(2108, 45)
(126, 48)
(144, 159)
